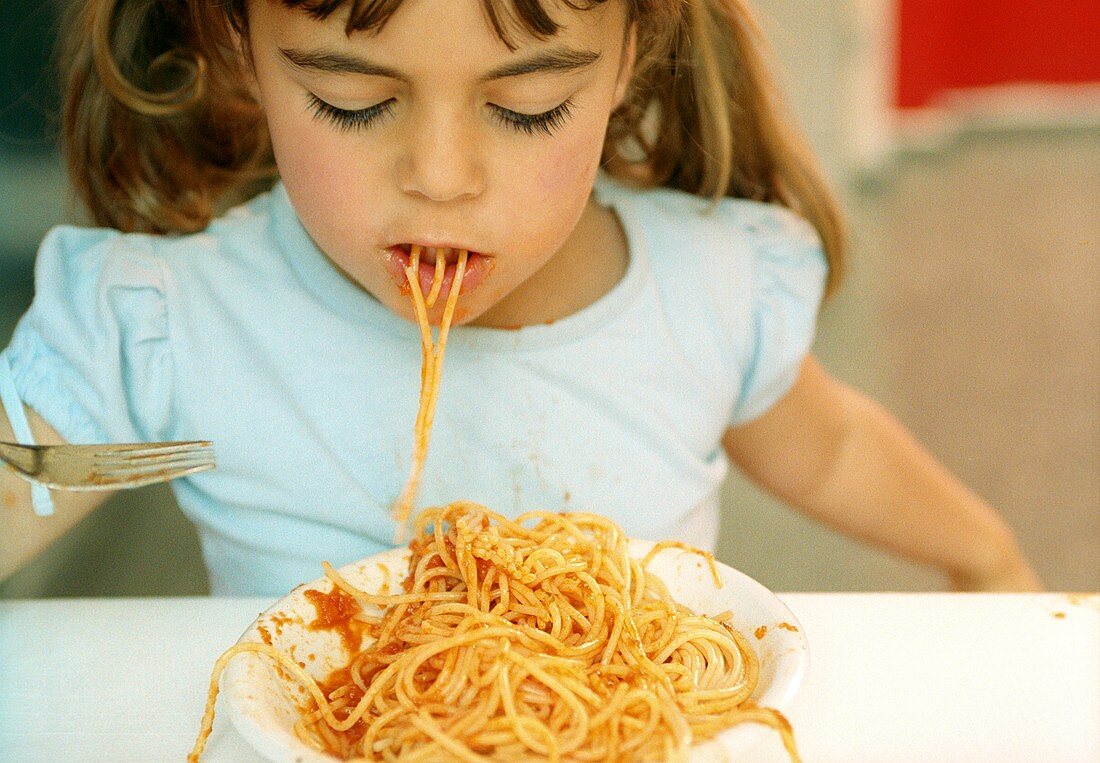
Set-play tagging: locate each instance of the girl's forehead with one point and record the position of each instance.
(509, 19)
(429, 34)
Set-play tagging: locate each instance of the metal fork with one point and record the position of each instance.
(106, 467)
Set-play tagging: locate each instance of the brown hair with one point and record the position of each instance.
(160, 130)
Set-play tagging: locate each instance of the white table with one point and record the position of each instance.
(893, 677)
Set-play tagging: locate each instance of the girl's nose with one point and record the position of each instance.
(439, 162)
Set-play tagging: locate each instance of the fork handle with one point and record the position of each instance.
(21, 458)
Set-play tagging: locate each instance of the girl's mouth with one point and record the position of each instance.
(398, 257)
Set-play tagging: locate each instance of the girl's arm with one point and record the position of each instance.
(841, 458)
(23, 534)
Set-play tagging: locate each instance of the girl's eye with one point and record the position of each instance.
(358, 119)
(546, 122)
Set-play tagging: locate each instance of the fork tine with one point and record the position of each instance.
(121, 460)
(111, 480)
(140, 478)
(152, 465)
(172, 472)
(136, 450)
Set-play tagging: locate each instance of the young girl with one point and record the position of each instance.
(648, 245)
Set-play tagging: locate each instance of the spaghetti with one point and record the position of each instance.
(536, 639)
(431, 368)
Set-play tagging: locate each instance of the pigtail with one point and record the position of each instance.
(156, 124)
(703, 116)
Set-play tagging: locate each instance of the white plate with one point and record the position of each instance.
(263, 706)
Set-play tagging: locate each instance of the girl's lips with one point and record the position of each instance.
(477, 268)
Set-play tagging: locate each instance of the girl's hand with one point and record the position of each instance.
(1013, 573)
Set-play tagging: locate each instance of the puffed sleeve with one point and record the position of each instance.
(789, 272)
(92, 354)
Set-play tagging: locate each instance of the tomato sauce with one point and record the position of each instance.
(336, 612)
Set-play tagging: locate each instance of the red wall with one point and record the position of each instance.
(951, 44)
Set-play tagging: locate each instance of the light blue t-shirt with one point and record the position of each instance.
(247, 335)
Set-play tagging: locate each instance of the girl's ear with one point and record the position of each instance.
(626, 66)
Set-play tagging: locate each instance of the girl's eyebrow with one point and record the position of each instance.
(559, 59)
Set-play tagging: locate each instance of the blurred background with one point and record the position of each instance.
(964, 138)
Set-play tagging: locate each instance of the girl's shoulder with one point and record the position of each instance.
(734, 224)
(95, 352)
(730, 246)
(88, 255)
(740, 283)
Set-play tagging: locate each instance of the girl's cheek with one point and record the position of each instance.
(325, 179)
(568, 170)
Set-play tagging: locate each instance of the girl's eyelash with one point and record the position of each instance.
(349, 120)
(546, 122)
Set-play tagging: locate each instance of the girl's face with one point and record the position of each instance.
(431, 132)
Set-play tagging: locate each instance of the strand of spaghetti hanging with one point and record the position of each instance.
(431, 368)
